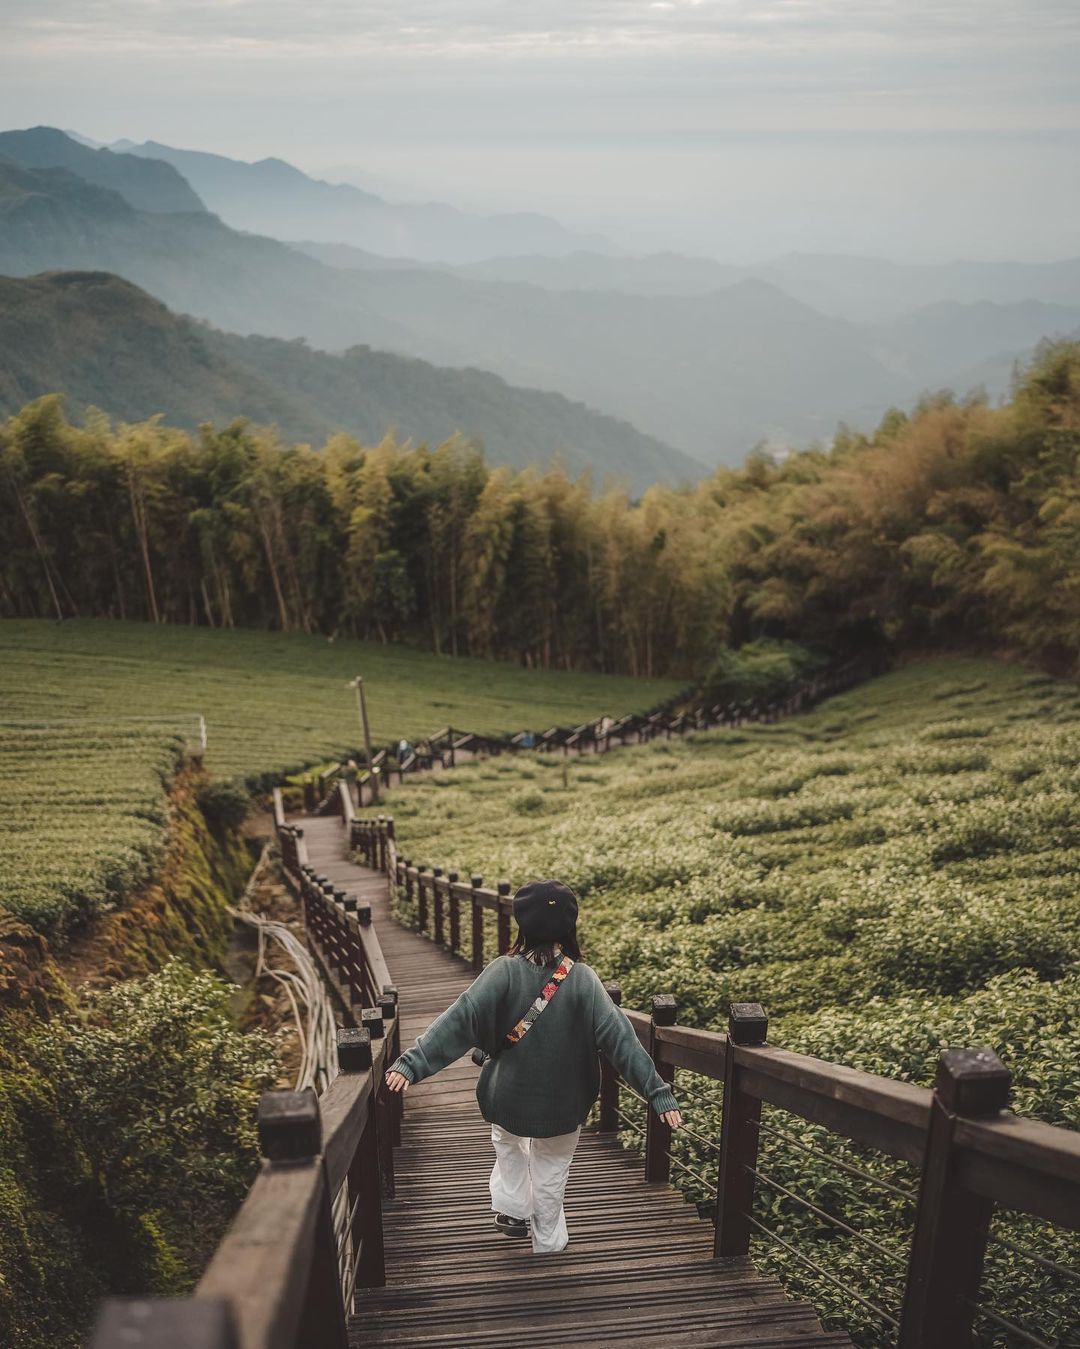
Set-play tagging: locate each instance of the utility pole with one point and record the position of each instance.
(361, 704)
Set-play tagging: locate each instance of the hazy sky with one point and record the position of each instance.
(912, 128)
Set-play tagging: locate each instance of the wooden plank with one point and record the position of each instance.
(263, 1262)
(344, 1108)
(698, 1051)
(890, 1116)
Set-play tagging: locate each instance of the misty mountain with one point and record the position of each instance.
(872, 289)
(651, 274)
(711, 374)
(146, 184)
(868, 290)
(52, 220)
(971, 343)
(103, 342)
(274, 198)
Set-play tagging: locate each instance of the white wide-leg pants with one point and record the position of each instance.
(529, 1181)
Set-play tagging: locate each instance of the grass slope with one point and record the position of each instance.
(893, 873)
(95, 714)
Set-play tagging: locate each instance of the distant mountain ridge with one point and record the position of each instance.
(275, 198)
(103, 342)
(864, 290)
(689, 372)
(711, 372)
(147, 184)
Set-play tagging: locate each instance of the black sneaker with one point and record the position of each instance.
(511, 1227)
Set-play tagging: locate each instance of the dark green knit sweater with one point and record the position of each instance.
(546, 1083)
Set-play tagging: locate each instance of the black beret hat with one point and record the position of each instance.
(545, 911)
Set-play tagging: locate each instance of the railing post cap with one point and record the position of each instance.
(665, 1010)
(452, 877)
(351, 903)
(614, 992)
(363, 914)
(477, 882)
(372, 1021)
(354, 1049)
(388, 1005)
(436, 871)
(504, 887)
(972, 1082)
(747, 1023)
(289, 1126)
(390, 991)
(165, 1323)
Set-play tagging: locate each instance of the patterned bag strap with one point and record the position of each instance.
(549, 990)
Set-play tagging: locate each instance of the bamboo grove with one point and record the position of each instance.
(959, 523)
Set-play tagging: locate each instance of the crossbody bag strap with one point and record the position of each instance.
(565, 965)
(545, 996)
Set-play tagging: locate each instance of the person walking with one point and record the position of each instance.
(541, 1018)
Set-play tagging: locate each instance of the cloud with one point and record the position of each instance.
(532, 27)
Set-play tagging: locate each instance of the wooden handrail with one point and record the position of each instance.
(263, 1265)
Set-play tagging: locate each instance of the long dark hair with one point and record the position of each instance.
(543, 952)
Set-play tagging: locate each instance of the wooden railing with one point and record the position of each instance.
(972, 1155)
(322, 795)
(309, 1232)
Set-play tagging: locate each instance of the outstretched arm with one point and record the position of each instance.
(449, 1036)
(445, 1040)
(616, 1040)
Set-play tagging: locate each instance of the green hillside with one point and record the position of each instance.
(103, 342)
(890, 874)
(95, 714)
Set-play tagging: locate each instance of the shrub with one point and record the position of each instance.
(760, 672)
(159, 1091)
(226, 805)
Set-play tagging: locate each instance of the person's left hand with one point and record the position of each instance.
(397, 1081)
(672, 1118)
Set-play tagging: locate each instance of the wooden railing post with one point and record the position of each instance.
(440, 908)
(421, 900)
(372, 1021)
(477, 926)
(951, 1223)
(455, 912)
(609, 1079)
(356, 973)
(364, 1187)
(747, 1026)
(165, 1323)
(657, 1133)
(380, 843)
(388, 1005)
(503, 918)
(290, 1134)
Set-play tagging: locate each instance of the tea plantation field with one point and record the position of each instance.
(93, 716)
(896, 872)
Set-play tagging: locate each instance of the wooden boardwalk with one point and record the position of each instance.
(639, 1267)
